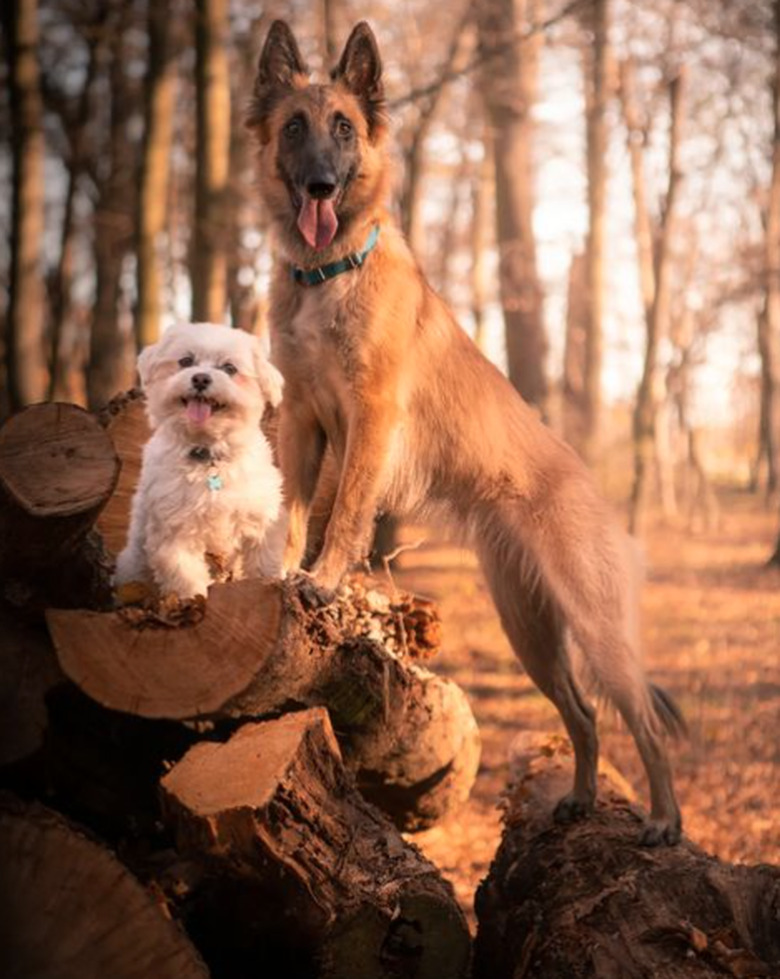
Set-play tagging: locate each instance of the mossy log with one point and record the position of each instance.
(585, 901)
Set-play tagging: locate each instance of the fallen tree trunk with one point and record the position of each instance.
(58, 469)
(304, 875)
(70, 910)
(585, 901)
(255, 648)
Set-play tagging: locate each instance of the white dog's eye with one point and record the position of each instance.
(229, 369)
(187, 361)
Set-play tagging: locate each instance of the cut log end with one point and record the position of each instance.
(171, 672)
(56, 461)
(70, 910)
(275, 803)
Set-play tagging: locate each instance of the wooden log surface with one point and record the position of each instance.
(70, 910)
(276, 823)
(28, 671)
(585, 901)
(253, 649)
(58, 469)
(124, 419)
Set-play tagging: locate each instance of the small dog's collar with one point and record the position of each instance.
(315, 277)
(202, 453)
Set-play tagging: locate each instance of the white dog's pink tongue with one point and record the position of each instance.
(317, 221)
(198, 412)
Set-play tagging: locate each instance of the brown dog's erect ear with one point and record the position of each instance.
(360, 69)
(279, 65)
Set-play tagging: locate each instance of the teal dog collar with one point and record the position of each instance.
(315, 277)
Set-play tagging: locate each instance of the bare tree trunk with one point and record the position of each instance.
(577, 311)
(772, 301)
(509, 82)
(107, 372)
(60, 287)
(209, 256)
(25, 355)
(330, 31)
(160, 102)
(411, 217)
(596, 131)
(481, 196)
(657, 312)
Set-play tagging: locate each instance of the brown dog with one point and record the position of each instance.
(377, 370)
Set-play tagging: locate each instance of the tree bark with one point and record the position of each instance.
(160, 101)
(481, 195)
(574, 406)
(212, 80)
(109, 367)
(414, 157)
(61, 279)
(509, 83)
(28, 671)
(409, 735)
(596, 132)
(273, 816)
(25, 360)
(70, 910)
(771, 313)
(57, 470)
(124, 418)
(583, 901)
(656, 308)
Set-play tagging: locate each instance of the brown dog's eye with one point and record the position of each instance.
(229, 369)
(344, 128)
(293, 128)
(187, 361)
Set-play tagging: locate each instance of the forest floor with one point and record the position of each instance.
(711, 632)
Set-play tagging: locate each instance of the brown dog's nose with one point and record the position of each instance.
(201, 381)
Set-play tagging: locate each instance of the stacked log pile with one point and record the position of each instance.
(250, 757)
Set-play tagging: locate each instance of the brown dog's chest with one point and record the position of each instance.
(318, 354)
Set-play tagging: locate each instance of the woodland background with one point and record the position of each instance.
(594, 186)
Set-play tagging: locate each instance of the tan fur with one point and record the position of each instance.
(377, 370)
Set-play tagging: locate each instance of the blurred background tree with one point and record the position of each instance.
(593, 185)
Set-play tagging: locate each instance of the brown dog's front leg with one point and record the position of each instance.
(369, 445)
(301, 449)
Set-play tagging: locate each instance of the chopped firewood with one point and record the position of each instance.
(302, 872)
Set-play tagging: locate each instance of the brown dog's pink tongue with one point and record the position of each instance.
(317, 222)
(198, 412)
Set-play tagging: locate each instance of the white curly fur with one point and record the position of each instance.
(176, 519)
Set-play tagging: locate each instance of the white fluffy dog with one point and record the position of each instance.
(209, 493)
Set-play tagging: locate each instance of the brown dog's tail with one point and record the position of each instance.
(668, 713)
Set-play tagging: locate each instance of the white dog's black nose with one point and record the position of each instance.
(201, 381)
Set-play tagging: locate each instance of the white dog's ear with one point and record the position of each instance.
(145, 363)
(268, 377)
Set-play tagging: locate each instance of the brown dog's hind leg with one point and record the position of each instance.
(537, 632)
(587, 569)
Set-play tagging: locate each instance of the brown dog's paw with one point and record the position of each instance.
(661, 832)
(312, 594)
(570, 808)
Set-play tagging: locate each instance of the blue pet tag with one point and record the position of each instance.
(214, 481)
